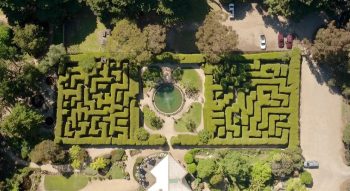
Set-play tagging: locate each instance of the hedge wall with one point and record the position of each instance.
(266, 115)
(99, 107)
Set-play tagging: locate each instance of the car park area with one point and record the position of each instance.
(250, 21)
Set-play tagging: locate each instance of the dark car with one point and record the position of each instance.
(280, 40)
(289, 42)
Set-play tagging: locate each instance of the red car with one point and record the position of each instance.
(289, 42)
(280, 40)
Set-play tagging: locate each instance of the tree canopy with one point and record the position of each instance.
(30, 39)
(214, 39)
(21, 122)
(47, 151)
(206, 168)
(56, 55)
(6, 49)
(237, 167)
(128, 42)
(48, 11)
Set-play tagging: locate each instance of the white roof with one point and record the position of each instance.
(169, 176)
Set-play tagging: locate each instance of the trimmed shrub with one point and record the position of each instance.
(189, 158)
(306, 178)
(216, 179)
(192, 168)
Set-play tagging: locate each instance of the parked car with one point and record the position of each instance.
(280, 40)
(311, 164)
(262, 42)
(231, 8)
(289, 42)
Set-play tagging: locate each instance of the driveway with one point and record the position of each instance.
(251, 21)
(321, 127)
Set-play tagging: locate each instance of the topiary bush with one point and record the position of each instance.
(192, 168)
(306, 178)
(189, 158)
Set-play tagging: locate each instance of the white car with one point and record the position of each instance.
(262, 42)
(231, 8)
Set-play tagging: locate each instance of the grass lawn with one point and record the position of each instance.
(61, 183)
(117, 172)
(148, 114)
(195, 114)
(190, 76)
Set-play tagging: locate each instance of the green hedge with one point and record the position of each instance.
(267, 115)
(98, 107)
(180, 58)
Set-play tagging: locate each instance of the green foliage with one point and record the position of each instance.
(191, 168)
(6, 49)
(47, 151)
(46, 11)
(87, 63)
(294, 184)
(191, 126)
(117, 155)
(77, 156)
(232, 75)
(157, 122)
(204, 136)
(128, 42)
(56, 56)
(30, 39)
(142, 134)
(206, 168)
(189, 158)
(177, 73)
(306, 178)
(282, 165)
(216, 179)
(99, 163)
(214, 39)
(261, 173)
(21, 122)
(151, 76)
(237, 167)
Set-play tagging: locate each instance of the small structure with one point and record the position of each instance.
(170, 176)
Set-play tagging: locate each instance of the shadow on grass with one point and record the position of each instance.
(80, 26)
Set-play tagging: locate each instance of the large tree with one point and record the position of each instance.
(331, 45)
(30, 39)
(215, 39)
(21, 122)
(56, 55)
(48, 11)
(206, 168)
(128, 42)
(237, 167)
(166, 11)
(47, 151)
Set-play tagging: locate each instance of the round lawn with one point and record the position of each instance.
(168, 98)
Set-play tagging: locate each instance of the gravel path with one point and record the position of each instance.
(321, 131)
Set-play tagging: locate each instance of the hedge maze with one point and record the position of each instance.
(99, 107)
(268, 114)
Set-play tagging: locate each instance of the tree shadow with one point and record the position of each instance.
(79, 26)
(181, 39)
(241, 10)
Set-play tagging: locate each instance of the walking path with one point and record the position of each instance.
(321, 127)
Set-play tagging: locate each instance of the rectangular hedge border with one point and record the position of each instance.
(293, 79)
(65, 136)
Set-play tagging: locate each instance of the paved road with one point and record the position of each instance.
(321, 131)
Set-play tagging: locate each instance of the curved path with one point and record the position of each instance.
(321, 127)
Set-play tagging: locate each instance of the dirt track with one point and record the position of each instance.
(321, 127)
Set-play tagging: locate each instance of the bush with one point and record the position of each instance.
(205, 136)
(177, 74)
(157, 122)
(191, 126)
(306, 178)
(205, 168)
(142, 134)
(117, 155)
(189, 158)
(99, 163)
(216, 179)
(47, 151)
(192, 168)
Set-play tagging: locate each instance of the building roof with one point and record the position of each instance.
(170, 176)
